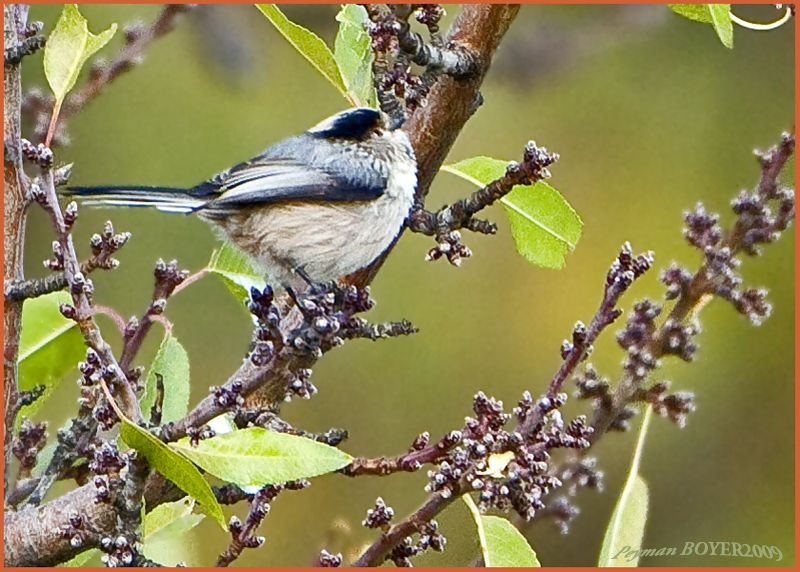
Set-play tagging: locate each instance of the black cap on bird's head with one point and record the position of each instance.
(357, 123)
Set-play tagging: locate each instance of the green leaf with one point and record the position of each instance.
(172, 364)
(721, 20)
(236, 271)
(310, 46)
(174, 467)
(50, 346)
(164, 529)
(718, 15)
(623, 539)
(255, 456)
(353, 52)
(502, 544)
(163, 533)
(696, 12)
(544, 225)
(82, 559)
(67, 49)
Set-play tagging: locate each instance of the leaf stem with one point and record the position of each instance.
(51, 130)
(637, 453)
(191, 279)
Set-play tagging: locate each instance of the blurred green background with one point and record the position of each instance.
(650, 114)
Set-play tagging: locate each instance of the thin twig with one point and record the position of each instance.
(80, 287)
(445, 223)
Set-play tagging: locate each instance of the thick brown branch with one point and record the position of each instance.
(14, 204)
(455, 61)
(433, 128)
(31, 536)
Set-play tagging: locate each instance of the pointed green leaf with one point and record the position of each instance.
(164, 530)
(172, 364)
(236, 271)
(718, 15)
(82, 560)
(255, 456)
(623, 539)
(50, 346)
(696, 12)
(721, 20)
(68, 47)
(174, 467)
(502, 544)
(353, 52)
(310, 46)
(544, 225)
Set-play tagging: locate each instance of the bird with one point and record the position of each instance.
(308, 210)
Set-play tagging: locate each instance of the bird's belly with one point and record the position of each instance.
(324, 240)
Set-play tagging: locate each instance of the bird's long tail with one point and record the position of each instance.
(167, 199)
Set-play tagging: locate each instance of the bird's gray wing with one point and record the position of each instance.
(264, 181)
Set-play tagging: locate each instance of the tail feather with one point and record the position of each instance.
(167, 199)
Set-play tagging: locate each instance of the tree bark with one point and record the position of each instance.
(31, 538)
(14, 202)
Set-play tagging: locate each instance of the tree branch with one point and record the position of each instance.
(32, 536)
(379, 550)
(445, 223)
(420, 453)
(14, 204)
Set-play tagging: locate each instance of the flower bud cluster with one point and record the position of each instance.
(328, 560)
(267, 335)
(107, 460)
(674, 406)
(40, 154)
(31, 438)
(197, 434)
(429, 538)
(74, 530)
(119, 551)
(108, 242)
(508, 468)
(380, 516)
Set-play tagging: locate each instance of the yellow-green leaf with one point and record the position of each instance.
(164, 530)
(721, 20)
(50, 346)
(352, 50)
(174, 467)
(695, 12)
(68, 47)
(255, 456)
(172, 364)
(83, 559)
(236, 271)
(308, 44)
(718, 15)
(544, 225)
(502, 544)
(623, 539)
